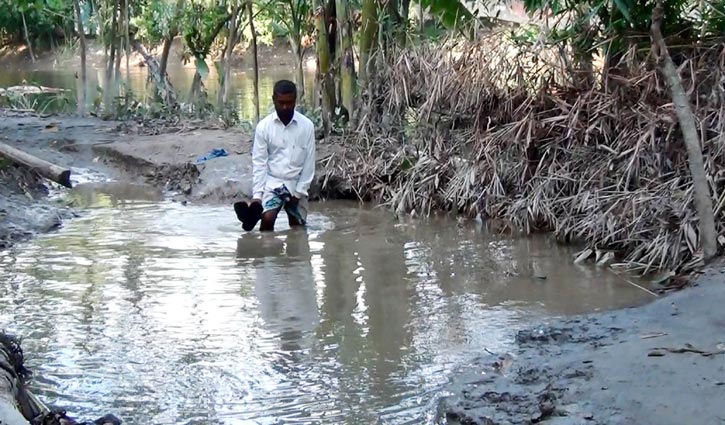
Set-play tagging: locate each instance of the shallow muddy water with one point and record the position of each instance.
(169, 314)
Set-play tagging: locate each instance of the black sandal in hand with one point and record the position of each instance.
(249, 215)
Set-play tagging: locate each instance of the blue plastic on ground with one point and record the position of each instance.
(215, 153)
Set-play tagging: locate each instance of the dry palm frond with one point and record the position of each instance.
(486, 127)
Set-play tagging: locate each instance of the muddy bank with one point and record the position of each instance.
(663, 363)
(182, 164)
(24, 209)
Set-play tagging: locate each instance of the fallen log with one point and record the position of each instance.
(50, 171)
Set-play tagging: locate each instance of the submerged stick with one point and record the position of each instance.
(50, 171)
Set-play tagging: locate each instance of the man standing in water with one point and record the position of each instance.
(283, 164)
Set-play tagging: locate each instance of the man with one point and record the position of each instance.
(283, 164)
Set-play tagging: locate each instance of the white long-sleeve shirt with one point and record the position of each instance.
(283, 155)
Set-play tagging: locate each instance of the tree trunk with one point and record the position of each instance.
(582, 47)
(613, 67)
(112, 57)
(127, 41)
(296, 45)
(255, 62)
(164, 89)
(82, 35)
(173, 32)
(226, 62)
(165, 51)
(197, 94)
(327, 89)
(368, 38)
(27, 38)
(120, 40)
(393, 25)
(683, 109)
(300, 74)
(347, 61)
(101, 35)
(421, 17)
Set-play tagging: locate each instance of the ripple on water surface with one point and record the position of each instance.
(168, 314)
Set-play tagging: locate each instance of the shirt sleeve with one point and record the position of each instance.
(308, 168)
(259, 161)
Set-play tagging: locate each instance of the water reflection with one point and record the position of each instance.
(241, 90)
(170, 314)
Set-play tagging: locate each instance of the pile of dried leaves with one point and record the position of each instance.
(487, 128)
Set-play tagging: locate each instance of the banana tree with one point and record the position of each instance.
(368, 37)
(453, 14)
(324, 62)
(292, 18)
(82, 37)
(347, 60)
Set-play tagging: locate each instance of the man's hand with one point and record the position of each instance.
(256, 200)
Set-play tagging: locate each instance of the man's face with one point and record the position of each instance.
(284, 104)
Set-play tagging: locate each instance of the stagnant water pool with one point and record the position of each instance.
(163, 313)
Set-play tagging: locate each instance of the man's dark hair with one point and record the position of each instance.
(285, 87)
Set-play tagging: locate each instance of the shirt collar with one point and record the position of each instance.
(294, 118)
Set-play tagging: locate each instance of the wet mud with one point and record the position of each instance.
(24, 208)
(171, 161)
(663, 363)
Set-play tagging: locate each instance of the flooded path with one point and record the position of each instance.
(166, 313)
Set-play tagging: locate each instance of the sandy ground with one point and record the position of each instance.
(663, 363)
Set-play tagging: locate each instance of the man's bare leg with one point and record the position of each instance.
(268, 220)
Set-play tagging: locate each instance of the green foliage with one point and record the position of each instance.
(42, 17)
(201, 23)
(266, 23)
(155, 21)
(452, 13)
(712, 18)
(619, 23)
(287, 18)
